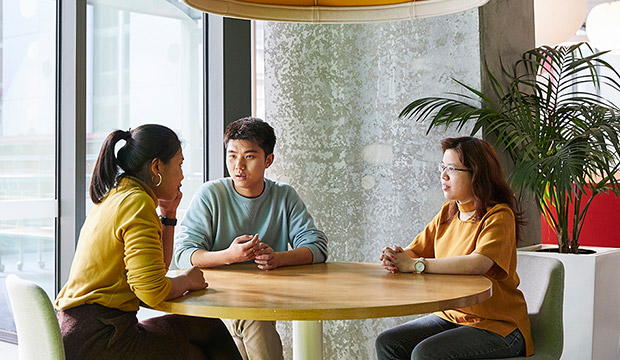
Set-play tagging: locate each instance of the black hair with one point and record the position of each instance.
(252, 129)
(143, 144)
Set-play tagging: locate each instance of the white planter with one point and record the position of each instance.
(591, 303)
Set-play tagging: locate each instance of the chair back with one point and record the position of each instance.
(542, 284)
(38, 333)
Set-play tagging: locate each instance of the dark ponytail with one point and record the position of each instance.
(143, 144)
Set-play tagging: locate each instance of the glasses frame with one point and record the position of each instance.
(451, 170)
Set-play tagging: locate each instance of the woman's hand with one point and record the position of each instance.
(190, 279)
(395, 260)
(195, 279)
(266, 258)
(168, 208)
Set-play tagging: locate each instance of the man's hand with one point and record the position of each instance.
(243, 248)
(266, 258)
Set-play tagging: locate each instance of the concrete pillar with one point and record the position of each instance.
(506, 32)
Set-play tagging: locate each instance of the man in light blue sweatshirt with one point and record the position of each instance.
(248, 218)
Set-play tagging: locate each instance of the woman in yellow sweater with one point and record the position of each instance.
(122, 257)
(475, 232)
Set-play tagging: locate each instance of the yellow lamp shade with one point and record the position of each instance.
(603, 26)
(333, 11)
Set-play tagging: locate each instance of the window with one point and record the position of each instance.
(27, 146)
(144, 66)
(258, 70)
(145, 62)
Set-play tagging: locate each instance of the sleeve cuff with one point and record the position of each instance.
(317, 255)
(185, 259)
(162, 295)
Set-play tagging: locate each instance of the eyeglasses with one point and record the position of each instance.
(451, 170)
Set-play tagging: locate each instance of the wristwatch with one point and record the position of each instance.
(168, 221)
(419, 265)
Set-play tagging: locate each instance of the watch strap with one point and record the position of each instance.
(168, 221)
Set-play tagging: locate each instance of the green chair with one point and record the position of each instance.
(38, 333)
(542, 284)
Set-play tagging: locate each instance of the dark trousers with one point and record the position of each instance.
(431, 337)
(97, 332)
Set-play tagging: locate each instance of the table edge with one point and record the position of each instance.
(358, 312)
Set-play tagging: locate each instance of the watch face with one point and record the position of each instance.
(419, 266)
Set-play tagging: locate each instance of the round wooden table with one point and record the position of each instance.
(307, 294)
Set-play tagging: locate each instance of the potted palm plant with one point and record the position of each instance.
(562, 139)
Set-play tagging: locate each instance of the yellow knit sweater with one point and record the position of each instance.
(119, 258)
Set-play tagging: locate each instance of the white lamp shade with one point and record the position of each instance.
(603, 26)
(557, 21)
(333, 11)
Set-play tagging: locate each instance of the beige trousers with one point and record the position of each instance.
(256, 340)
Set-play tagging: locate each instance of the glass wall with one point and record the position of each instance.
(145, 65)
(27, 145)
(258, 70)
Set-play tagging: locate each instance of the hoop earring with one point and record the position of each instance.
(160, 180)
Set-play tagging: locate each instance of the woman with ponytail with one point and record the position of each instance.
(122, 257)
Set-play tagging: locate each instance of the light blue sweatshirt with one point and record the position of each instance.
(217, 215)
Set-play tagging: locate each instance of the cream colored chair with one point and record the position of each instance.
(38, 333)
(542, 284)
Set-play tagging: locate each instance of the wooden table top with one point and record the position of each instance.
(329, 291)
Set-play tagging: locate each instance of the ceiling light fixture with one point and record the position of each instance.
(333, 11)
(557, 21)
(603, 26)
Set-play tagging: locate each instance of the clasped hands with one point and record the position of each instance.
(396, 260)
(248, 247)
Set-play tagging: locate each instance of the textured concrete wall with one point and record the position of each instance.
(333, 94)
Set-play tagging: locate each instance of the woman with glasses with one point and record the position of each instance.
(475, 232)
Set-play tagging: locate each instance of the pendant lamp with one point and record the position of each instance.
(557, 21)
(603, 26)
(333, 11)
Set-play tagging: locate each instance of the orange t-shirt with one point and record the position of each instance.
(492, 236)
